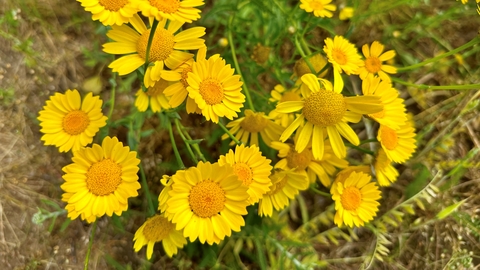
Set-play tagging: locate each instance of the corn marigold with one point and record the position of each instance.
(70, 123)
(174, 10)
(318, 63)
(326, 111)
(385, 172)
(110, 12)
(252, 169)
(343, 55)
(320, 8)
(400, 144)
(166, 48)
(374, 56)
(100, 180)
(154, 97)
(207, 202)
(279, 94)
(158, 229)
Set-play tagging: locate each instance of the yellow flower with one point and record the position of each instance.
(100, 180)
(318, 63)
(174, 10)
(280, 94)
(154, 96)
(399, 145)
(343, 55)
(320, 8)
(248, 128)
(393, 114)
(166, 48)
(155, 229)
(207, 202)
(215, 89)
(285, 186)
(326, 111)
(374, 56)
(384, 170)
(167, 182)
(304, 162)
(346, 13)
(110, 12)
(70, 124)
(356, 200)
(252, 169)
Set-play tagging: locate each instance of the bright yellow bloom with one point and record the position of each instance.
(158, 229)
(374, 56)
(215, 89)
(110, 12)
(100, 180)
(285, 186)
(153, 97)
(399, 145)
(70, 124)
(318, 63)
(356, 200)
(207, 202)
(166, 49)
(252, 169)
(167, 182)
(280, 94)
(320, 8)
(326, 111)
(174, 10)
(248, 128)
(304, 162)
(384, 170)
(393, 114)
(343, 55)
(346, 13)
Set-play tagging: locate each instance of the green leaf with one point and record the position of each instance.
(450, 209)
(422, 178)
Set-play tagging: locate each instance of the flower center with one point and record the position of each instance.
(254, 122)
(299, 160)
(351, 198)
(339, 56)
(244, 173)
(373, 64)
(389, 137)
(324, 108)
(75, 122)
(184, 75)
(166, 6)
(207, 198)
(211, 91)
(157, 88)
(113, 5)
(157, 228)
(290, 96)
(316, 5)
(161, 48)
(103, 177)
(261, 53)
(278, 183)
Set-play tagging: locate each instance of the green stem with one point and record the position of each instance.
(196, 147)
(151, 209)
(90, 244)
(298, 45)
(303, 208)
(113, 82)
(366, 151)
(189, 149)
(237, 67)
(174, 146)
(319, 192)
(438, 87)
(149, 44)
(443, 55)
(229, 134)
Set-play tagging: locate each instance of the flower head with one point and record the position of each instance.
(110, 12)
(100, 180)
(153, 97)
(252, 169)
(326, 111)
(393, 114)
(374, 56)
(247, 129)
(216, 91)
(343, 55)
(400, 144)
(320, 8)
(207, 202)
(166, 48)
(318, 63)
(286, 184)
(356, 200)
(260, 53)
(158, 229)
(70, 123)
(384, 170)
(174, 10)
(280, 94)
(346, 13)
